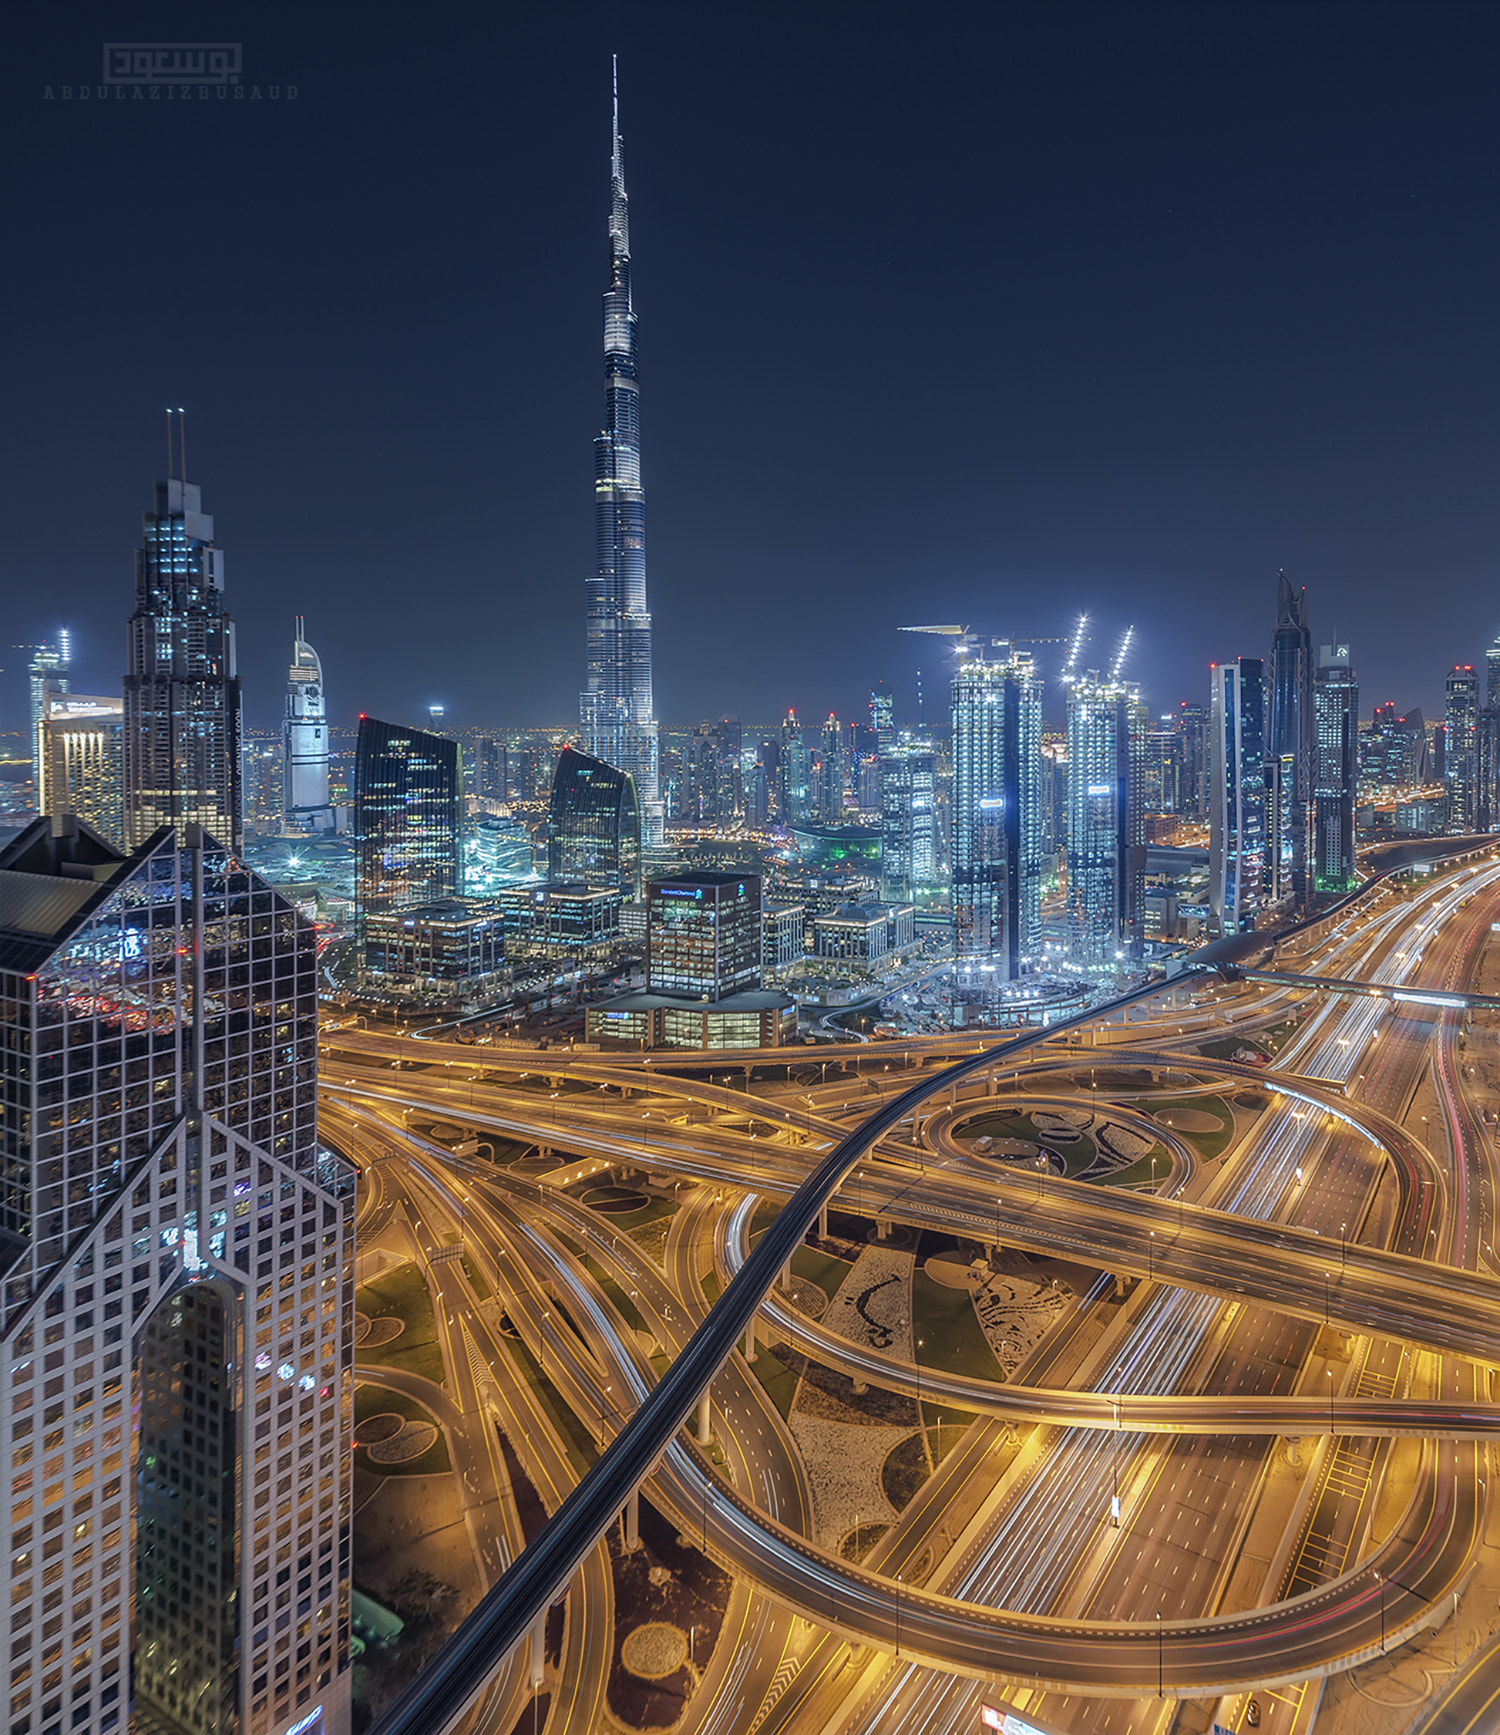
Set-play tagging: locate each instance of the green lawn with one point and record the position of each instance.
(476, 1278)
(820, 1268)
(953, 1339)
(575, 1437)
(712, 1288)
(626, 1308)
(403, 1292)
(779, 1380)
(1208, 1145)
(764, 1215)
(373, 1400)
(653, 1211)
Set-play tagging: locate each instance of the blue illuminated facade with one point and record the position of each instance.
(997, 814)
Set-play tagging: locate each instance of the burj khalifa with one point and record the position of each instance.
(619, 722)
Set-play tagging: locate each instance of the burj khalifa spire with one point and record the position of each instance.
(619, 722)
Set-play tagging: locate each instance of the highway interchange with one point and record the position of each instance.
(1281, 1370)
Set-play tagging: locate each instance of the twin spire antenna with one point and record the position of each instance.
(181, 443)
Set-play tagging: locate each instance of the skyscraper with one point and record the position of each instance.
(304, 759)
(1461, 762)
(1106, 854)
(619, 720)
(1289, 744)
(407, 802)
(997, 820)
(48, 675)
(593, 824)
(80, 767)
(1237, 809)
(1336, 772)
(178, 1298)
(908, 845)
(182, 695)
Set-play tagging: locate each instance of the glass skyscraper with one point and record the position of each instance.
(407, 803)
(178, 1271)
(1106, 857)
(1461, 770)
(1237, 801)
(1289, 745)
(182, 695)
(997, 818)
(908, 815)
(616, 709)
(593, 824)
(1336, 772)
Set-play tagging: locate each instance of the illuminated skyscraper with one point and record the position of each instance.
(593, 824)
(80, 767)
(1289, 746)
(182, 695)
(1106, 857)
(48, 674)
(997, 819)
(619, 720)
(407, 802)
(1336, 771)
(179, 1307)
(304, 760)
(908, 844)
(1461, 765)
(1237, 809)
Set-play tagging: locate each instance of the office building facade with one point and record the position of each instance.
(407, 806)
(1336, 771)
(304, 742)
(616, 708)
(996, 710)
(1237, 816)
(593, 824)
(80, 761)
(908, 819)
(182, 694)
(704, 935)
(179, 1298)
(49, 676)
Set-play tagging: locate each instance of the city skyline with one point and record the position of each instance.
(1141, 517)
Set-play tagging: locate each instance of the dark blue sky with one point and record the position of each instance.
(982, 313)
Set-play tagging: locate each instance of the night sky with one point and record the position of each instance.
(981, 313)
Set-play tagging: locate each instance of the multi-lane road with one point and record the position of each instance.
(1340, 1235)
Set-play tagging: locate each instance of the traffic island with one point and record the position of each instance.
(670, 1600)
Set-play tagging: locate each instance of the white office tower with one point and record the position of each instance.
(304, 759)
(177, 1255)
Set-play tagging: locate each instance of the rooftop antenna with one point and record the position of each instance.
(1120, 655)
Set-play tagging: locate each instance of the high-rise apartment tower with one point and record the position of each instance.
(997, 818)
(1237, 802)
(1336, 771)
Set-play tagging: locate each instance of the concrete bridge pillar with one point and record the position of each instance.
(750, 1341)
(882, 1228)
(633, 1521)
(539, 1649)
(705, 1419)
(786, 1275)
(823, 1222)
